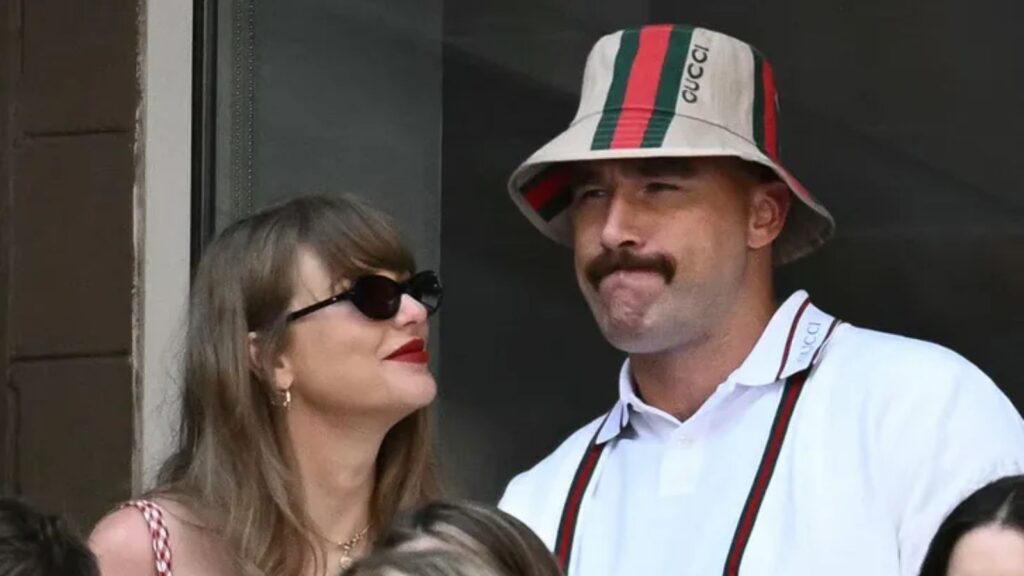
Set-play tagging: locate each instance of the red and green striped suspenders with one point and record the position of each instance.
(585, 472)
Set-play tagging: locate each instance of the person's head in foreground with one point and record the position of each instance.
(494, 537)
(983, 536)
(35, 544)
(423, 562)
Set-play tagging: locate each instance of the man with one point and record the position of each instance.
(749, 437)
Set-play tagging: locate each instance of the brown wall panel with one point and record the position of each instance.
(72, 253)
(8, 68)
(75, 434)
(79, 65)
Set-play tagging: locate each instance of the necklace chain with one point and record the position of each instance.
(347, 546)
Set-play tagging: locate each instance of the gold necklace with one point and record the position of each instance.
(347, 546)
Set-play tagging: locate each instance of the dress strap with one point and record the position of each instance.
(158, 532)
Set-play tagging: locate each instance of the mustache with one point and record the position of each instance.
(612, 261)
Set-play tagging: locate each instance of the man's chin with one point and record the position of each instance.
(632, 336)
(625, 322)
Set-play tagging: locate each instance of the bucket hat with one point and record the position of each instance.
(669, 91)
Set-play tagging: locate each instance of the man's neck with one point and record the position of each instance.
(679, 381)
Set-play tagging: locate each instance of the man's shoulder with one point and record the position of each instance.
(895, 345)
(913, 381)
(890, 358)
(936, 426)
(535, 496)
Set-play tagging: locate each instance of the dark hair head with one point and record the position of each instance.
(426, 562)
(34, 544)
(1000, 503)
(486, 532)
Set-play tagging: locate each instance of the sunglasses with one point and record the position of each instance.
(379, 297)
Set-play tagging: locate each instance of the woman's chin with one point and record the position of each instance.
(414, 392)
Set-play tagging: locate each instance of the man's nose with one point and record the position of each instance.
(621, 225)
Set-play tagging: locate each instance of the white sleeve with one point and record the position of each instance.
(513, 500)
(956, 434)
(534, 508)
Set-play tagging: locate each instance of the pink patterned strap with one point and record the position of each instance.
(154, 516)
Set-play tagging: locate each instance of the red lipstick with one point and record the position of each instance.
(413, 351)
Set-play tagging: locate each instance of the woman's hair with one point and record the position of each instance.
(497, 538)
(1000, 503)
(423, 562)
(34, 544)
(233, 466)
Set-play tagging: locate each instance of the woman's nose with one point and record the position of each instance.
(411, 311)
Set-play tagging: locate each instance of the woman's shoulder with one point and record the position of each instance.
(123, 542)
(138, 537)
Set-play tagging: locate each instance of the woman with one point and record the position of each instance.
(304, 423)
(485, 533)
(983, 536)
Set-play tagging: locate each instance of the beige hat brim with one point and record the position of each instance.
(808, 224)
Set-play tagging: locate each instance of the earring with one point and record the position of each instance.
(282, 398)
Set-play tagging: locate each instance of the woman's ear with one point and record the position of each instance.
(281, 375)
(254, 352)
(769, 207)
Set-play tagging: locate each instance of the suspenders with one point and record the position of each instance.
(748, 517)
(790, 394)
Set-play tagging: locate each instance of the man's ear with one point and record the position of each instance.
(282, 374)
(769, 207)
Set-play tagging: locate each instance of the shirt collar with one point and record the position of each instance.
(618, 419)
(790, 343)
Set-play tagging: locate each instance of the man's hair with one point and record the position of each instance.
(999, 504)
(35, 544)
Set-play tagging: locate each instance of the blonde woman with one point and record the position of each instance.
(304, 425)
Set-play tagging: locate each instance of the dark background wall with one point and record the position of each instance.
(68, 98)
(524, 364)
(346, 99)
(903, 119)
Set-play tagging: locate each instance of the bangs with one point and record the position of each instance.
(347, 236)
(351, 240)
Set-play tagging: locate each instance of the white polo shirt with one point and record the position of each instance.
(887, 435)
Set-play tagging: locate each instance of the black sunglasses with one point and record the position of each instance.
(379, 297)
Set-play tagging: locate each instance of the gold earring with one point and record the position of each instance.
(282, 398)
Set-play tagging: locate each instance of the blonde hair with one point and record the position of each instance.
(232, 465)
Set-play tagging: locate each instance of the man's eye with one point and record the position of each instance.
(657, 186)
(584, 194)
